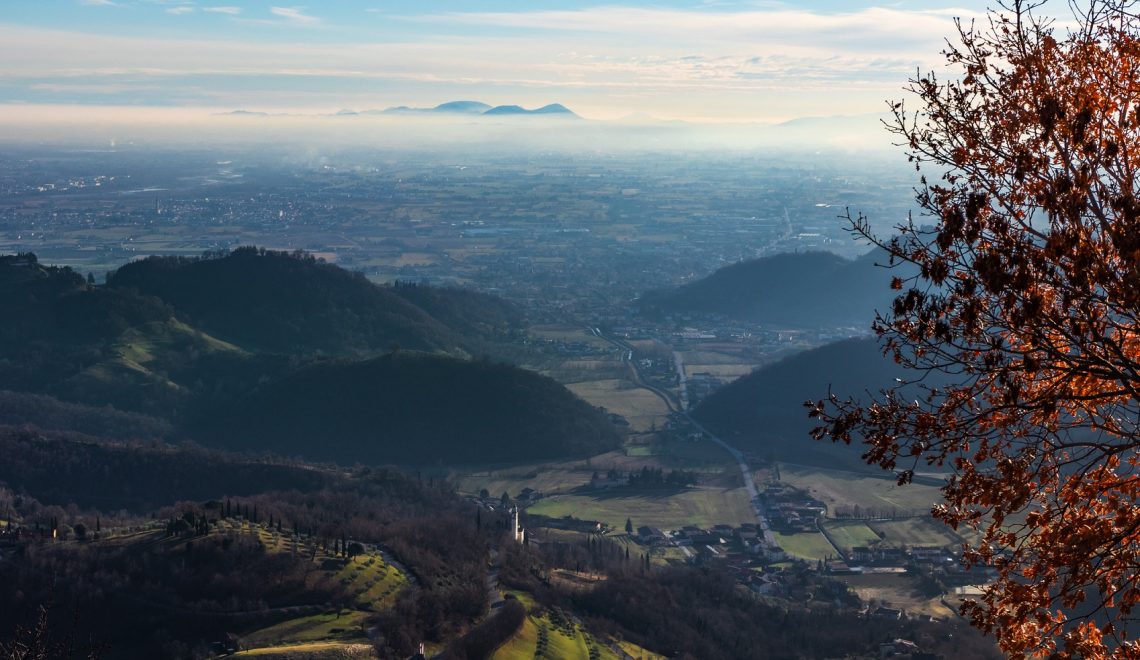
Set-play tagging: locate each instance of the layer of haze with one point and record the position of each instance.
(104, 126)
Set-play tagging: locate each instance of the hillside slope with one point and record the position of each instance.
(268, 351)
(764, 413)
(411, 408)
(793, 289)
(292, 303)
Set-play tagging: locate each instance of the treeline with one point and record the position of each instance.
(482, 640)
(47, 412)
(62, 468)
(648, 477)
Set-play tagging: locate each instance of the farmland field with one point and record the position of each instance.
(330, 626)
(540, 637)
(571, 334)
(897, 590)
(373, 584)
(565, 476)
(843, 490)
(312, 651)
(641, 407)
(726, 371)
(916, 531)
(544, 479)
(702, 506)
(848, 535)
(710, 357)
(812, 546)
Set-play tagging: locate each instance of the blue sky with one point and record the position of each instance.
(702, 61)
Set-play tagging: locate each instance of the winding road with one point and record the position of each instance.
(681, 407)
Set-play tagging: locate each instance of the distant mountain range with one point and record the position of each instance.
(453, 107)
(803, 289)
(475, 108)
(469, 108)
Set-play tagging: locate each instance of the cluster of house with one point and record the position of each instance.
(791, 510)
(694, 537)
(935, 561)
(741, 546)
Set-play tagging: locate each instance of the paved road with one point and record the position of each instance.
(746, 473)
(635, 374)
(494, 596)
(681, 407)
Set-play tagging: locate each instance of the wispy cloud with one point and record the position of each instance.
(99, 3)
(178, 11)
(776, 62)
(294, 15)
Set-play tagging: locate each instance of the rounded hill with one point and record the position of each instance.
(295, 304)
(412, 408)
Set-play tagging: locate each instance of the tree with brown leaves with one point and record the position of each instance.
(1021, 322)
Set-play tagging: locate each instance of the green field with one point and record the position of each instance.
(522, 645)
(569, 333)
(812, 546)
(843, 490)
(373, 584)
(642, 408)
(711, 357)
(540, 637)
(312, 651)
(725, 371)
(898, 590)
(916, 531)
(544, 479)
(702, 506)
(330, 626)
(848, 535)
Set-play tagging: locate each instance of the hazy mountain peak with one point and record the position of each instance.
(462, 106)
(551, 109)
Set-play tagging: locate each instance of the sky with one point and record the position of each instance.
(702, 61)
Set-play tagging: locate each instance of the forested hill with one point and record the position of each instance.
(793, 289)
(277, 352)
(56, 325)
(292, 303)
(764, 412)
(411, 408)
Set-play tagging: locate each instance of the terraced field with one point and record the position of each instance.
(371, 581)
(553, 636)
(313, 651)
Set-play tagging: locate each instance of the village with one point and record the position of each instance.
(753, 555)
